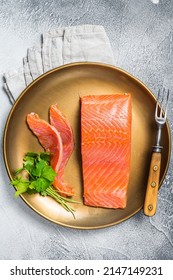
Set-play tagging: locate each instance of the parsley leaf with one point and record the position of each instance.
(32, 154)
(21, 185)
(48, 173)
(40, 184)
(45, 156)
(38, 168)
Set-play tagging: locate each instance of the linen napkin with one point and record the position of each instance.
(65, 45)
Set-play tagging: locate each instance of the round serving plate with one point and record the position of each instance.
(64, 85)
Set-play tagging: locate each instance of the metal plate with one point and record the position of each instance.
(64, 86)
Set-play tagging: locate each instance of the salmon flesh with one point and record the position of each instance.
(106, 148)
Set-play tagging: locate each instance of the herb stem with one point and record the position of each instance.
(62, 200)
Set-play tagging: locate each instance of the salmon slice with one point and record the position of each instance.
(60, 122)
(106, 148)
(59, 143)
(48, 137)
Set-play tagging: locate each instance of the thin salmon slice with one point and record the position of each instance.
(62, 125)
(48, 137)
(106, 148)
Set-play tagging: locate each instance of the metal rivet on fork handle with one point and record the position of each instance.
(150, 207)
(155, 168)
(153, 184)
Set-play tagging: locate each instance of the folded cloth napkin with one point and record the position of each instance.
(61, 46)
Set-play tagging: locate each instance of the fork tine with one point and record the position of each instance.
(161, 103)
(157, 103)
(162, 114)
(166, 105)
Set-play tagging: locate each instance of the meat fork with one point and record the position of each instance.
(154, 172)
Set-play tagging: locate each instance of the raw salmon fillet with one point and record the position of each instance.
(62, 125)
(52, 142)
(106, 148)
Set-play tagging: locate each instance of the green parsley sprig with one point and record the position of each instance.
(37, 177)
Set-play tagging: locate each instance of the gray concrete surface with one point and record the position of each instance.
(141, 34)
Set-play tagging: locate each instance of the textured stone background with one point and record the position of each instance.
(140, 32)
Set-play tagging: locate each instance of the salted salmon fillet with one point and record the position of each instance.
(62, 125)
(106, 148)
(52, 142)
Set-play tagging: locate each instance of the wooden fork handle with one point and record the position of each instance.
(152, 185)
